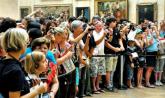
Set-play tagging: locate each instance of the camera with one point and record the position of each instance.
(43, 79)
(90, 29)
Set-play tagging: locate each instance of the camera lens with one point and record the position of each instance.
(91, 29)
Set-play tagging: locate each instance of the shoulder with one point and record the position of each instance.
(11, 66)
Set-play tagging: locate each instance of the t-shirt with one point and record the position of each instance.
(114, 42)
(154, 46)
(49, 55)
(162, 34)
(92, 43)
(12, 78)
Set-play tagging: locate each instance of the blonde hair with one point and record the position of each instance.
(32, 61)
(1, 34)
(14, 39)
(57, 30)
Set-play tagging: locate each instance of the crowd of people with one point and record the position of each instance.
(42, 57)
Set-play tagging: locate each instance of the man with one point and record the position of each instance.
(113, 45)
(98, 63)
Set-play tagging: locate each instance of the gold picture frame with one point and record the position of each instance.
(117, 8)
(55, 10)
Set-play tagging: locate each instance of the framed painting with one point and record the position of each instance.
(55, 10)
(24, 11)
(147, 11)
(83, 11)
(117, 8)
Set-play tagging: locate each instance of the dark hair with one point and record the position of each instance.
(141, 21)
(40, 41)
(71, 19)
(34, 33)
(132, 27)
(144, 27)
(96, 17)
(48, 27)
(7, 23)
(33, 24)
(110, 20)
(42, 21)
(83, 19)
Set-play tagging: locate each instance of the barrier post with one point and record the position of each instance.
(121, 85)
(121, 70)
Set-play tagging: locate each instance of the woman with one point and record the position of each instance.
(140, 46)
(12, 77)
(66, 68)
(151, 49)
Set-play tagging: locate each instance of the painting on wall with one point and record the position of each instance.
(83, 12)
(55, 11)
(24, 11)
(117, 8)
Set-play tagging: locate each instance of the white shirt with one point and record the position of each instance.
(99, 50)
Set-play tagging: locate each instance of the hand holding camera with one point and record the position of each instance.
(88, 28)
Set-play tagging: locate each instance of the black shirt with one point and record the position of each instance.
(125, 43)
(12, 78)
(114, 42)
(92, 43)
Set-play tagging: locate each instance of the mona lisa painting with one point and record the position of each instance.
(83, 12)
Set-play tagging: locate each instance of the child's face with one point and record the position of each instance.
(44, 48)
(43, 66)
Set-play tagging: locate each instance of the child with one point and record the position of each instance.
(131, 61)
(36, 64)
(42, 44)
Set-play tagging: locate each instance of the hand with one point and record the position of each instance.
(69, 54)
(87, 29)
(117, 50)
(51, 94)
(132, 65)
(122, 48)
(42, 88)
(35, 82)
(70, 48)
(88, 36)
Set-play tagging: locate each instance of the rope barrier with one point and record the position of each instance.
(113, 55)
(109, 55)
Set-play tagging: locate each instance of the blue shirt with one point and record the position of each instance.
(162, 34)
(154, 46)
(49, 55)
